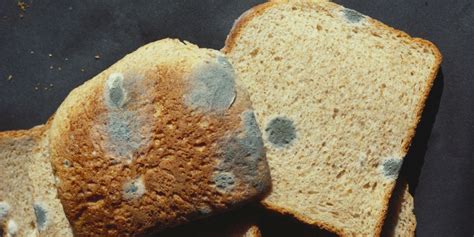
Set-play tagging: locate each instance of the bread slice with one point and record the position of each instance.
(162, 137)
(338, 96)
(28, 195)
(401, 220)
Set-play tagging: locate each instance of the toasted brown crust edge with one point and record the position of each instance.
(230, 43)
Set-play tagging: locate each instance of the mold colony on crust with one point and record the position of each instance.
(125, 131)
(133, 189)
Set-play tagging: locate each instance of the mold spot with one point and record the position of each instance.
(224, 181)
(205, 209)
(244, 151)
(67, 163)
(133, 189)
(281, 131)
(115, 93)
(12, 227)
(122, 129)
(352, 16)
(391, 167)
(212, 86)
(4, 209)
(41, 216)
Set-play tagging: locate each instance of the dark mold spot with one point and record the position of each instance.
(352, 15)
(243, 154)
(251, 145)
(41, 218)
(224, 181)
(212, 86)
(115, 93)
(67, 163)
(391, 167)
(281, 131)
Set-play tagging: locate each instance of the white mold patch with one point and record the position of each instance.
(12, 227)
(211, 86)
(4, 209)
(133, 189)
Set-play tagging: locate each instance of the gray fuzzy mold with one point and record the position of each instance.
(391, 167)
(281, 131)
(4, 209)
(123, 131)
(41, 216)
(115, 93)
(243, 154)
(251, 145)
(127, 120)
(133, 189)
(352, 16)
(224, 181)
(212, 86)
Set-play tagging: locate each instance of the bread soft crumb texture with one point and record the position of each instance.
(401, 220)
(351, 91)
(162, 137)
(29, 205)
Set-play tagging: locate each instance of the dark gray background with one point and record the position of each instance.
(440, 162)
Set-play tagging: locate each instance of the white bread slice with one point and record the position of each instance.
(401, 220)
(27, 186)
(338, 95)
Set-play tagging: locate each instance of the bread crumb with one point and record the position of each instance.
(22, 5)
(82, 70)
(50, 55)
(36, 88)
(51, 67)
(97, 56)
(32, 52)
(10, 77)
(59, 68)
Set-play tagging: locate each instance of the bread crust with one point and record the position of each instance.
(258, 10)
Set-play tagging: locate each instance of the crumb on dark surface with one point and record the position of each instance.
(97, 56)
(10, 77)
(22, 5)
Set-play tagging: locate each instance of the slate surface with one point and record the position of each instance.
(440, 161)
